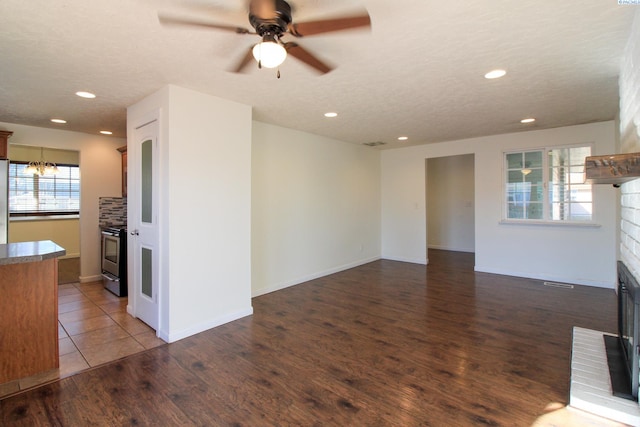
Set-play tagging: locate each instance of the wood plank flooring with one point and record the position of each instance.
(384, 344)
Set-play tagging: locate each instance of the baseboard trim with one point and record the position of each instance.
(550, 278)
(280, 286)
(176, 336)
(88, 279)
(448, 248)
(409, 260)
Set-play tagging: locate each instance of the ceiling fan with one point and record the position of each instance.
(272, 20)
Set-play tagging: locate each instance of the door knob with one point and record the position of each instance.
(135, 233)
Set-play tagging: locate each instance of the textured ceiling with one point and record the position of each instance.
(418, 72)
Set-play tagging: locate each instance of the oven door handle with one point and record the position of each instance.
(110, 277)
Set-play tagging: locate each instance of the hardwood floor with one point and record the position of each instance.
(387, 343)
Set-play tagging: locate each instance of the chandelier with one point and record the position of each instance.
(41, 167)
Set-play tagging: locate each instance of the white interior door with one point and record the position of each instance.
(145, 230)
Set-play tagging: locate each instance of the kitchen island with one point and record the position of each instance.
(28, 308)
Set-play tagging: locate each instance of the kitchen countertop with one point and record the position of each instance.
(23, 252)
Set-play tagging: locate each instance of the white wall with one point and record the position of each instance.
(450, 203)
(315, 206)
(562, 253)
(205, 209)
(403, 212)
(100, 165)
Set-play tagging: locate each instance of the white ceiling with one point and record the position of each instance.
(418, 72)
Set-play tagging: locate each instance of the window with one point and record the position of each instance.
(548, 185)
(31, 194)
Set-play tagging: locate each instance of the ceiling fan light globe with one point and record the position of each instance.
(269, 54)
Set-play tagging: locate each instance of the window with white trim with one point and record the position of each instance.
(548, 185)
(31, 194)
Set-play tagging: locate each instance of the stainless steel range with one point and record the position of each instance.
(114, 259)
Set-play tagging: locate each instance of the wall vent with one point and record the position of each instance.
(374, 144)
(558, 285)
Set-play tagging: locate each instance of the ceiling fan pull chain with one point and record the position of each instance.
(278, 73)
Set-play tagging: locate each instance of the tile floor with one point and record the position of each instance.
(93, 328)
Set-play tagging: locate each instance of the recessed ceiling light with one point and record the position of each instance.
(403, 138)
(87, 95)
(530, 120)
(106, 132)
(331, 114)
(60, 121)
(495, 74)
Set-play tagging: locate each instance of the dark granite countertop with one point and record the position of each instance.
(22, 252)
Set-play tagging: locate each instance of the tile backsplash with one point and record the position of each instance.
(112, 210)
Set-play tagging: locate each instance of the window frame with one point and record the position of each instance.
(14, 215)
(546, 202)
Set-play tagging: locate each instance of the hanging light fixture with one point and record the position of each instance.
(41, 167)
(526, 168)
(269, 53)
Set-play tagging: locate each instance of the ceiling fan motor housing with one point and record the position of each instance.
(275, 25)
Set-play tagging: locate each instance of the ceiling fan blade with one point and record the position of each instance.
(309, 28)
(305, 56)
(174, 20)
(263, 9)
(246, 60)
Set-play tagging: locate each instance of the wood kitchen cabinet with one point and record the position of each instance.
(123, 152)
(4, 143)
(28, 309)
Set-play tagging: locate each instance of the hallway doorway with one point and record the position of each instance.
(451, 203)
